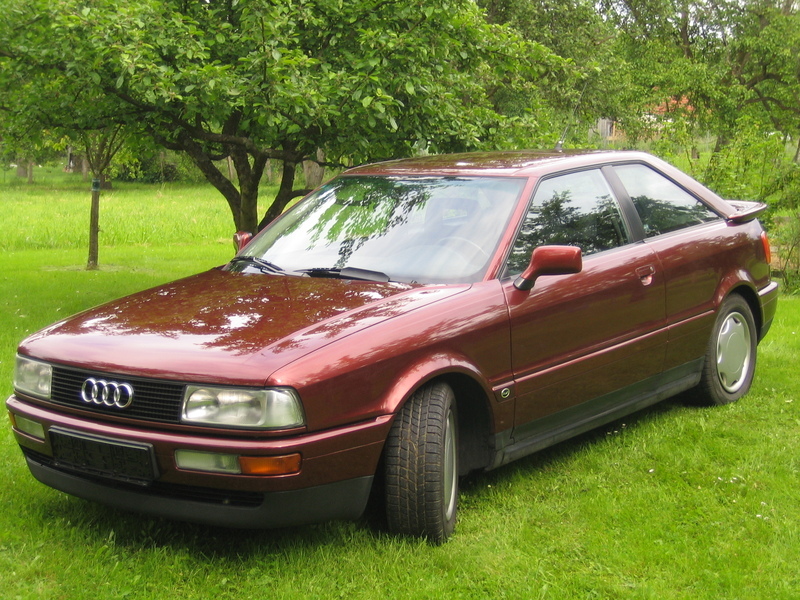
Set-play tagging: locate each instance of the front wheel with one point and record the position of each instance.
(730, 361)
(422, 465)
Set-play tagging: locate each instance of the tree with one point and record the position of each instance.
(715, 60)
(256, 80)
(100, 147)
(594, 82)
(42, 103)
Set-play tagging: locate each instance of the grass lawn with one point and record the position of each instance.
(675, 502)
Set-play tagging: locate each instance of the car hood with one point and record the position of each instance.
(224, 327)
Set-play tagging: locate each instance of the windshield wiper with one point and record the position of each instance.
(259, 263)
(348, 273)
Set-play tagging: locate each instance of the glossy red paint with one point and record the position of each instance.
(362, 377)
(222, 327)
(599, 333)
(550, 260)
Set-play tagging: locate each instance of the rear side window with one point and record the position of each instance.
(661, 204)
(577, 209)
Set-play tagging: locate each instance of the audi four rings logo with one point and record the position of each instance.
(107, 393)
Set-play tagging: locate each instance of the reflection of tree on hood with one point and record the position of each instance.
(237, 313)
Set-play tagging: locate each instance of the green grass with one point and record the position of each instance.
(675, 502)
(54, 214)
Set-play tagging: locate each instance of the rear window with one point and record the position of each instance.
(663, 206)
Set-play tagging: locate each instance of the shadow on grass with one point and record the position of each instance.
(476, 485)
(97, 524)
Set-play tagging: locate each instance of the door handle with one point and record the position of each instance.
(646, 273)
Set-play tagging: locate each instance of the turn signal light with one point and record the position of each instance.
(270, 465)
(231, 464)
(27, 426)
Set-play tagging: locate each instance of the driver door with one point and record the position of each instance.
(576, 339)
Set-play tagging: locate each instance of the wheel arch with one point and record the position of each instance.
(747, 291)
(474, 422)
(472, 397)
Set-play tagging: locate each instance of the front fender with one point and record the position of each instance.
(371, 373)
(427, 369)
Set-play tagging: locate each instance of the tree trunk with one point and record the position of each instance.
(723, 140)
(284, 195)
(249, 175)
(215, 177)
(248, 193)
(314, 172)
(94, 227)
(249, 165)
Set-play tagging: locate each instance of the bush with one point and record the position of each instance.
(155, 168)
(753, 165)
(785, 238)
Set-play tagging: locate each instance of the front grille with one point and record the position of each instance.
(153, 400)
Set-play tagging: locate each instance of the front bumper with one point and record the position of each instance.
(341, 500)
(334, 480)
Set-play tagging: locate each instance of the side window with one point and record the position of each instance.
(661, 204)
(577, 209)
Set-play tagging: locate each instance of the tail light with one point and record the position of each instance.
(767, 248)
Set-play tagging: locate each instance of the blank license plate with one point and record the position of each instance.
(103, 457)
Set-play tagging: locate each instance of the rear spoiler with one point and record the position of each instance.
(745, 211)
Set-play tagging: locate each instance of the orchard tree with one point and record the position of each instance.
(714, 61)
(99, 147)
(595, 81)
(42, 103)
(254, 80)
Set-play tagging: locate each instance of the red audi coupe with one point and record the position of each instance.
(405, 324)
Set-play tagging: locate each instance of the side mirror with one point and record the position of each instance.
(241, 239)
(550, 260)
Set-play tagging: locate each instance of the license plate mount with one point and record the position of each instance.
(120, 460)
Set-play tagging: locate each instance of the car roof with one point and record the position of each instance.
(515, 163)
(538, 163)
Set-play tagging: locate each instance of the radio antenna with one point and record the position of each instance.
(563, 138)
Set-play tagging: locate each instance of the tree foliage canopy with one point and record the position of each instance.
(719, 58)
(362, 80)
(258, 79)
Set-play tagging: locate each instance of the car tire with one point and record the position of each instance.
(421, 465)
(730, 361)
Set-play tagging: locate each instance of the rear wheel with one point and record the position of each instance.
(421, 466)
(731, 354)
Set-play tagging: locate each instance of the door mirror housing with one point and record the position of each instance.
(550, 260)
(241, 239)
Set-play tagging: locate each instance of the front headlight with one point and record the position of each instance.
(277, 408)
(33, 377)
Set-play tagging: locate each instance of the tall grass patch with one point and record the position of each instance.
(53, 213)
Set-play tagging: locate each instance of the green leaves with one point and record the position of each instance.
(726, 58)
(362, 80)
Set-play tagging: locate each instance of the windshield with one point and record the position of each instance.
(422, 229)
